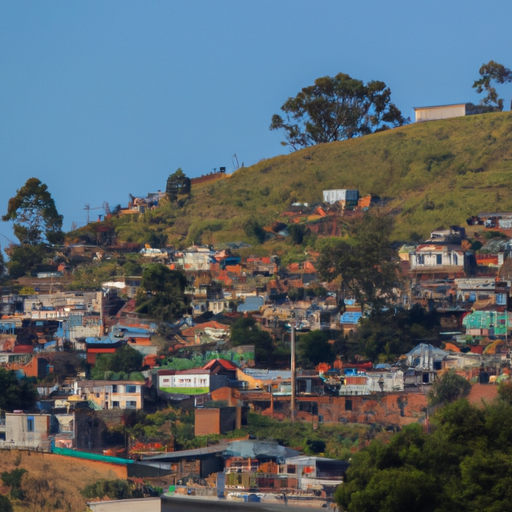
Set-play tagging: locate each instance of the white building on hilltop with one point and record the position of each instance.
(341, 194)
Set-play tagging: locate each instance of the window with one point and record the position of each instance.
(420, 259)
(455, 259)
(30, 424)
(348, 405)
(131, 404)
(439, 259)
(130, 389)
(114, 388)
(115, 405)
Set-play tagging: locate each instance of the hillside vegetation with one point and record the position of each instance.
(428, 174)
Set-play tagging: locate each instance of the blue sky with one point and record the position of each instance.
(99, 99)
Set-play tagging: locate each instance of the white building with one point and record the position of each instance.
(342, 194)
(189, 382)
(436, 257)
(439, 112)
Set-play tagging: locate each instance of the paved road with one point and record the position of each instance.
(175, 504)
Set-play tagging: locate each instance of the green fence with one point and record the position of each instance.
(91, 456)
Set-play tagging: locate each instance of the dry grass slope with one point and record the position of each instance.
(66, 476)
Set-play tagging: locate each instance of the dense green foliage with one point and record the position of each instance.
(13, 480)
(5, 504)
(167, 425)
(336, 108)
(298, 233)
(505, 391)
(113, 489)
(34, 215)
(90, 276)
(366, 263)
(336, 441)
(177, 185)
(246, 331)
(27, 259)
(463, 464)
(492, 73)
(15, 394)
(385, 335)
(163, 296)
(124, 360)
(314, 348)
(449, 388)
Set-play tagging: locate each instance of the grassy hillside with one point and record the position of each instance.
(431, 174)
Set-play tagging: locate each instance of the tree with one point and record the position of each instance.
(253, 229)
(34, 215)
(490, 73)
(163, 297)
(462, 463)
(124, 360)
(15, 395)
(25, 259)
(113, 489)
(245, 331)
(336, 108)
(386, 334)
(297, 233)
(505, 391)
(366, 263)
(177, 185)
(314, 348)
(5, 504)
(13, 480)
(295, 294)
(449, 388)
(132, 268)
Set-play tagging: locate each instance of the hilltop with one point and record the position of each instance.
(426, 174)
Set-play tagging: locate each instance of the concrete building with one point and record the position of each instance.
(344, 195)
(316, 473)
(108, 394)
(131, 505)
(189, 382)
(439, 258)
(220, 420)
(21, 430)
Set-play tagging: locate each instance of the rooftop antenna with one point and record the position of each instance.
(235, 165)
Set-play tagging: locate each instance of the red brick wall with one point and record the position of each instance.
(207, 421)
(389, 409)
(226, 394)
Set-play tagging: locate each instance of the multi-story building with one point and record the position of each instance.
(108, 394)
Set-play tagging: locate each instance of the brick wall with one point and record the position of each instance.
(388, 409)
(207, 421)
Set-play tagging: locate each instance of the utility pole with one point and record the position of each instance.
(292, 367)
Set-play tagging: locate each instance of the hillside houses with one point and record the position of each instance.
(190, 363)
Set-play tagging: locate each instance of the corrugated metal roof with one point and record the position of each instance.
(440, 106)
